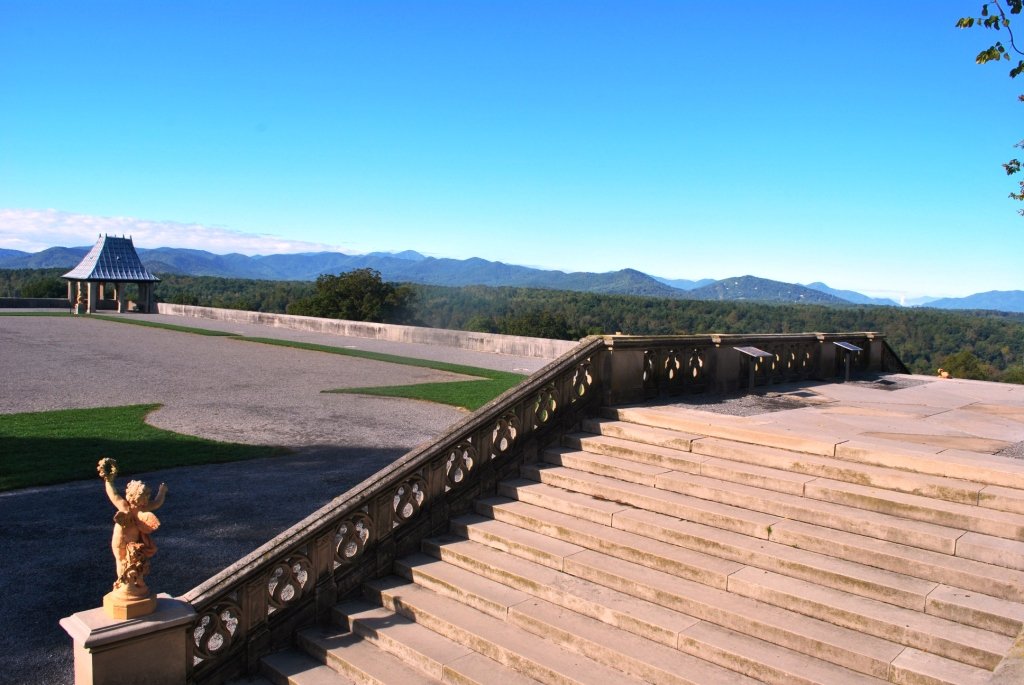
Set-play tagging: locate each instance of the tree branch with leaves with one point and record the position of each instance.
(994, 17)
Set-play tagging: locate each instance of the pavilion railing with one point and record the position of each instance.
(255, 606)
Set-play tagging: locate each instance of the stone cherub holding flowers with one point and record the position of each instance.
(132, 542)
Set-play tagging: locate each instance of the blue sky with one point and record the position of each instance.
(852, 143)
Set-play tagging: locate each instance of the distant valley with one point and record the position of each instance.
(413, 267)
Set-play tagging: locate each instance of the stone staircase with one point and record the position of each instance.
(666, 547)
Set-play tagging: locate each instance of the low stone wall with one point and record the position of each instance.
(521, 346)
(34, 303)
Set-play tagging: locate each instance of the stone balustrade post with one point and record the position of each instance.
(149, 650)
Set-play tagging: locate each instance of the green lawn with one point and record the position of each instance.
(469, 394)
(41, 448)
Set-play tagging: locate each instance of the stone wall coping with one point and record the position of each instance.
(94, 628)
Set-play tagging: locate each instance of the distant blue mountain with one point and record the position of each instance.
(412, 267)
(852, 296)
(1000, 300)
(683, 283)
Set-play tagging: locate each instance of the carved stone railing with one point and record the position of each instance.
(254, 606)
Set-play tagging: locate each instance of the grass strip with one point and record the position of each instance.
(42, 448)
(53, 313)
(469, 394)
(165, 326)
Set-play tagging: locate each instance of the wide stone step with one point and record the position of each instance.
(936, 635)
(761, 658)
(295, 667)
(781, 505)
(428, 652)
(722, 426)
(984, 468)
(496, 639)
(902, 590)
(640, 463)
(352, 659)
(980, 577)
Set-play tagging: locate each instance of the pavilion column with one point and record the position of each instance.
(119, 297)
(93, 293)
(71, 292)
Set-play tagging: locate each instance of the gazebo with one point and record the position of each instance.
(112, 261)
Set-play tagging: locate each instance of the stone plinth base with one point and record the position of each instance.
(120, 606)
(148, 650)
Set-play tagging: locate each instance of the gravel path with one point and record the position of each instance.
(55, 540)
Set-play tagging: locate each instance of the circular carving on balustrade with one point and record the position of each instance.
(544, 405)
(648, 375)
(695, 365)
(351, 537)
(673, 364)
(461, 460)
(288, 581)
(504, 434)
(582, 379)
(408, 500)
(215, 631)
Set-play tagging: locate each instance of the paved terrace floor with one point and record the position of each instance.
(54, 541)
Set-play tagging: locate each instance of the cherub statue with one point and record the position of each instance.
(134, 524)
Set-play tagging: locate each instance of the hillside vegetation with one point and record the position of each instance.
(978, 344)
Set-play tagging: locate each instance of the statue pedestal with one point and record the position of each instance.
(120, 606)
(150, 649)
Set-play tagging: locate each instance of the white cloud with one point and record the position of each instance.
(32, 230)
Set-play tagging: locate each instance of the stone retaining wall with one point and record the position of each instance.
(522, 346)
(34, 303)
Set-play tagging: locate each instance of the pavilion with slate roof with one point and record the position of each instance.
(111, 261)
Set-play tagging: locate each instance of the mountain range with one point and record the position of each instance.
(413, 267)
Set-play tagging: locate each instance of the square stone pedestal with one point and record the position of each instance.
(148, 650)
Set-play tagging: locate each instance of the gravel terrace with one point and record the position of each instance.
(214, 387)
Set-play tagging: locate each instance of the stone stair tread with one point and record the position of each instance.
(944, 513)
(977, 609)
(602, 488)
(956, 641)
(531, 544)
(721, 426)
(653, 662)
(940, 487)
(476, 669)
(646, 616)
(359, 659)
(935, 566)
(650, 435)
(507, 644)
(400, 636)
(686, 563)
(501, 569)
(975, 466)
(858, 578)
(605, 465)
(997, 551)
(841, 646)
(901, 589)
(292, 667)
(640, 453)
(1002, 498)
(765, 661)
(923, 668)
(839, 516)
(469, 587)
(582, 505)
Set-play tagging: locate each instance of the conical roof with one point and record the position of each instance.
(111, 259)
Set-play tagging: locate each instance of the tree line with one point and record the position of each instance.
(970, 344)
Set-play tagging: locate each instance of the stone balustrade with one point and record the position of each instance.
(254, 606)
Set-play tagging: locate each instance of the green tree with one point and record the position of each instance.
(359, 295)
(964, 364)
(993, 17)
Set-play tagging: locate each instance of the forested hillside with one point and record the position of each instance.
(980, 344)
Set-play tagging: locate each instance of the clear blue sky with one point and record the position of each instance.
(852, 143)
